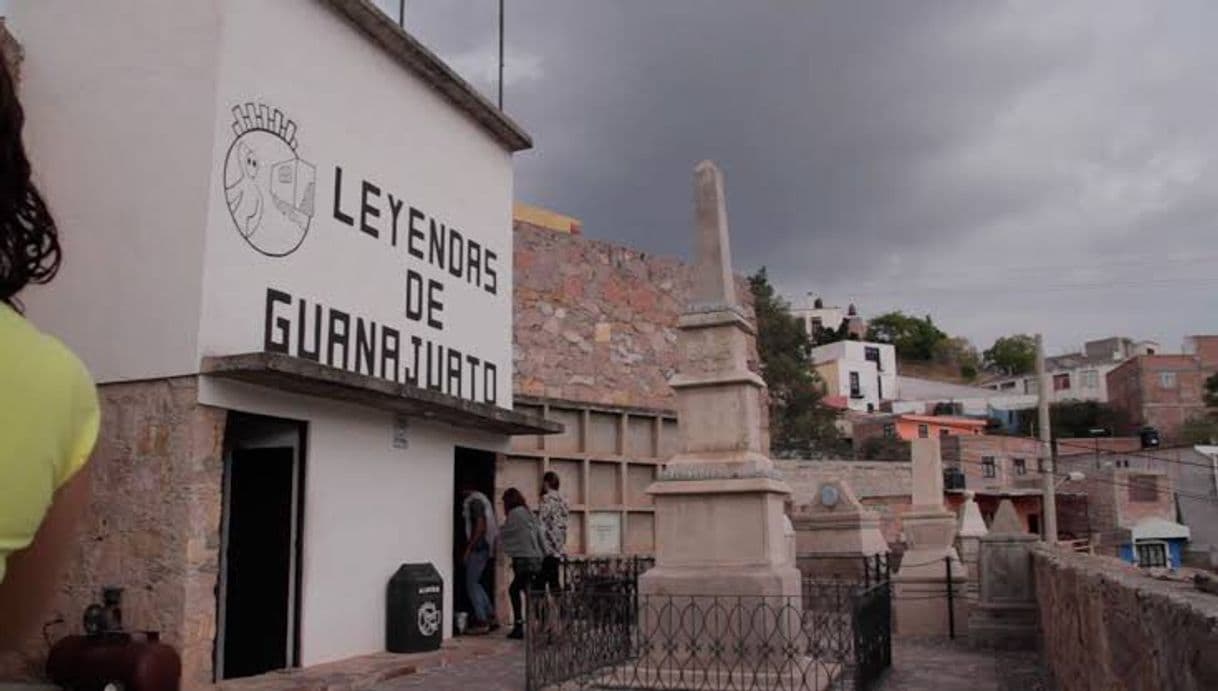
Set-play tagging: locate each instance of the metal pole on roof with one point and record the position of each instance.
(500, 54)
(1047, 477)
(402, 13)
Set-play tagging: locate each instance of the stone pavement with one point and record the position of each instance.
(486, 663)
(923, 664)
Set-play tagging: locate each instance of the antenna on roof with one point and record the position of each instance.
(500, 54)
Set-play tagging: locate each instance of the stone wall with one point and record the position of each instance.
(596, 322)
(151, 525)
(1106, 626)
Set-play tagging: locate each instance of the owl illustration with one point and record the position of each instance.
(244, 196)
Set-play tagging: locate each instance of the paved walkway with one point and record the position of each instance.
(487, 663)
(946, 665)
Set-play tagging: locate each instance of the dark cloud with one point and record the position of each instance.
(970, 160)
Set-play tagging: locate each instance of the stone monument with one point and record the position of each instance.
(969, 531)
(720, 525)
(1005, 615)
(835, 535)
(921, 586)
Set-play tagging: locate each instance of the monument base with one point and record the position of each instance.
(802, 674)
(1003, 627)
(920, 588)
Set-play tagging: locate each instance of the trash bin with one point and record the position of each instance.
(414, 609)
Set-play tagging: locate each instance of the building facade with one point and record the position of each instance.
(1079, 376)
(1160, 391)
(864, 373)
(288, 232)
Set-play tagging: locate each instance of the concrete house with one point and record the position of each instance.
(287, 230)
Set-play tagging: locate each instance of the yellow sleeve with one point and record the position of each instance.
(84, 423)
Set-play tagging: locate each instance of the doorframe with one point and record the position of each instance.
(297, 431)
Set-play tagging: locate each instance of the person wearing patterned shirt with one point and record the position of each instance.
(553, 514)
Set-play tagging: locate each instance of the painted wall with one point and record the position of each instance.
(878, 382)
(369, 507)
(345, 219)
(119, 133)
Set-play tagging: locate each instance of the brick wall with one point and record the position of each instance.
(1136, 390)
(151, 526)
(1205, 348)
(1106, 626)
(596, 322)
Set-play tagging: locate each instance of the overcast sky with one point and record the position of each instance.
(1002, 166)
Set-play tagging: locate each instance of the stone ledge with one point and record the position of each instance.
(296, 375)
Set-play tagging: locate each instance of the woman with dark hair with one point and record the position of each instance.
(520, 538)
(48, 405)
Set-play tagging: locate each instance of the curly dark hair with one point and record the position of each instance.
(29, 241)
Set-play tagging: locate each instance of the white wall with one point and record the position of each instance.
(118, 98)
(851, 356)
(353, 107)
(368, 508)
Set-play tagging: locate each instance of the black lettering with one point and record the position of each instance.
(474, 264)
(435, 244)
(338, 195)
(389, 353)
(365, 346)
(454, 372)
(412, 377)
(434, 306)
(414, 295)
(492, 278)
(456, 267)
(338, 337)
(395, 210)
(490, 383)
(413, 233)
(366, 209)
(473, 363)
(302, 328)
(278, 331)
(435, 366)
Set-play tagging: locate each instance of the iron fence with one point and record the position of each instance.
(835, 635)
(604, 574)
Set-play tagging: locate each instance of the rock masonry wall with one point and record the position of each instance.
(1107, 626)
(596, 322)
(151, 526)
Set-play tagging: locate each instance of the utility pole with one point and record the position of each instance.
(500, 54)
(1049, 476)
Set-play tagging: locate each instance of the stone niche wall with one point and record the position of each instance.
(596, 322)
(882, 486)
(150, 525)
(1106, 626)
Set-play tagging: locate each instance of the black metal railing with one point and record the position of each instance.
(836, 634)
(604, 574)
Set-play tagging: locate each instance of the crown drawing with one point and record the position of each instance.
(249, 117)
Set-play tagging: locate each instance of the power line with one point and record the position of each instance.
(1136, 454)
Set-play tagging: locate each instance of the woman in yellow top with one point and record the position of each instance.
(48, 405)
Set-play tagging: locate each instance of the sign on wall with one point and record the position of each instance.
(604, 532)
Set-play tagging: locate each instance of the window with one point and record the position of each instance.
(1021, 466)
(943, 431)
(1040, 465)
(817, 325)
(1006, 385)
(1167, 380)
(1034, 523)
(879, 387)
(1143, 488)
(1061, 382)
(890, 430)
(855, 390)
(988, 469)
(1031, 386)
(923, 432)
(872, 353)
(1091, 379)
(1152, 554)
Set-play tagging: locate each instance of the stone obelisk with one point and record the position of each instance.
(720, 526)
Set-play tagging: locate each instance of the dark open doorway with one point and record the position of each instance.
(472, 469)
(258, 622)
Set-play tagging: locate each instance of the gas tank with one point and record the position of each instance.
(90, 663)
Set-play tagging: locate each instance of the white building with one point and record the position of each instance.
(287, 238)
(861, 372)
(816, 316)
(920, 396)
(1080, 376)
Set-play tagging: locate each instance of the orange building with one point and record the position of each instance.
(922, 426)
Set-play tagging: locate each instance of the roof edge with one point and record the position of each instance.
(426, 65)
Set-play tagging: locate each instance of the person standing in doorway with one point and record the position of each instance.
(553, 513)
(521, 539)
(480, 532)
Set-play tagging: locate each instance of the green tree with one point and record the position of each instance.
(958, 351)
(1211, 391)
(1011, 355)
(914, 338)
(800, 426)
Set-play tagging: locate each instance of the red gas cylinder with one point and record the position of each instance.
(135, 663)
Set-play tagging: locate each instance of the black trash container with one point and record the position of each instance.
(414, 609)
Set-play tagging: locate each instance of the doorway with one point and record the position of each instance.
(258, 622)
(472, 469)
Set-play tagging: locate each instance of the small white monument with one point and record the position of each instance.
(931, 577)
